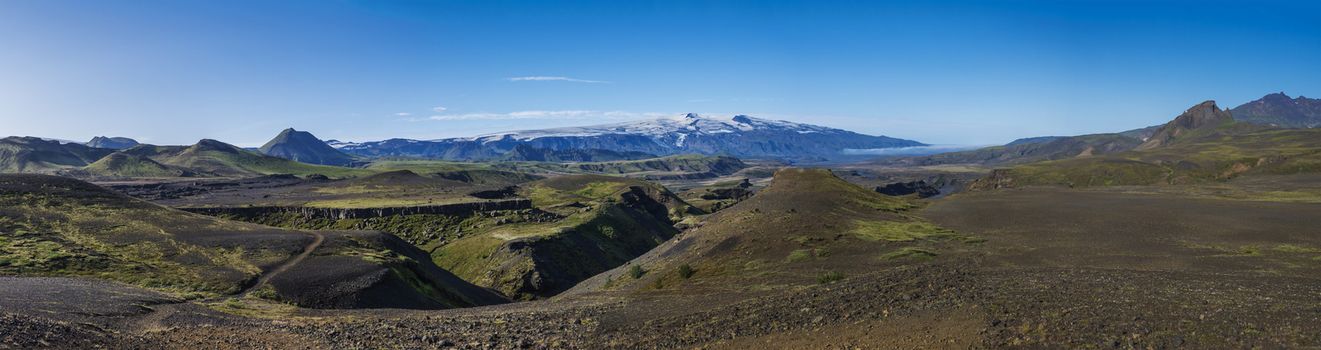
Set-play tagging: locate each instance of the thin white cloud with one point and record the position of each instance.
(439, 109)
(547, 114)
(553, 78)
(403, 114)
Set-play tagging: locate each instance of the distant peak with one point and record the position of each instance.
(1202, 115)
(1204, 106)
(112, 142)
(1277, 96)
(691, 116)
(744, 119)
(213, 144)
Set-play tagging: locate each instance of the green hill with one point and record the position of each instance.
(807, 227)
(128, 165)
(36, 155)
(62, 226)
(211, 157)
(56, 226)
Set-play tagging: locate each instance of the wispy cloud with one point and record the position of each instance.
(439, 109)
(403, 114)
(553, 78)
(547, 114)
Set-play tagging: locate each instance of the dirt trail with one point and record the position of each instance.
(153, 321)
(318, 238)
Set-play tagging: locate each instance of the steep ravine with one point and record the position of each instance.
(555, 251)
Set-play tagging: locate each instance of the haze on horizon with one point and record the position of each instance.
(941, 72)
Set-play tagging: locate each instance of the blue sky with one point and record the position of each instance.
(945, 72)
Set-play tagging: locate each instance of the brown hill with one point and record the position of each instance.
(807, 227)
(1202, 116)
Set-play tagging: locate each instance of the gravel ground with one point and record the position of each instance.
(946, 304)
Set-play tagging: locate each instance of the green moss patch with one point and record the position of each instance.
(909, 252)
(900, 231)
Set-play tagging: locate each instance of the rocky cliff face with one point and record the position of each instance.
(1204, 115)
(545, 265)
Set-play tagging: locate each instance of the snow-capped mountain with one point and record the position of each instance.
(664, 129)
(740, 136)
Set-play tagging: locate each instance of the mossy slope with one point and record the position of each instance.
(35, 155)
(128, 165)
(215, 158)
(805, 224)
(605, 222)
(55, 226)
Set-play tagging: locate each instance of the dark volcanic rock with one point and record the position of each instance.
(502, 193)
(399, 275)
(920, 187)
(735, 193)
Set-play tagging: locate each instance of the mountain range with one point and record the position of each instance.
(1274, 110)
(1280, 110)
(526, 153)
(1203, 144)
(739, 136)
